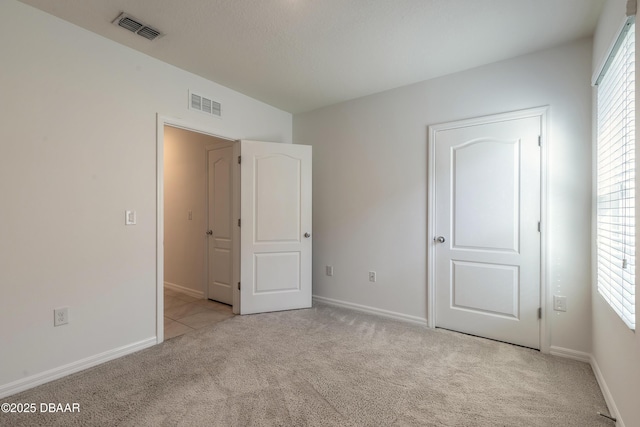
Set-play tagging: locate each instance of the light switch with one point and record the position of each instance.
(130, 218)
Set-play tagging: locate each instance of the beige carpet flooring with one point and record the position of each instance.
(324, 366)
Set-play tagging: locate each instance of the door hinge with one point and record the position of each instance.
(539, 227)
(238, 222)
(539, 312)
(539, 140)
(238, 285)
(239, 159)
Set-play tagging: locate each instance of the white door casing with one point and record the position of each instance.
(220, 222)
(275, 230)
(486, 204)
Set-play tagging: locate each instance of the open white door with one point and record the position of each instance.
(275, 242)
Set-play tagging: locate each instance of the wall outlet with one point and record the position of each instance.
(372, 276)
(60, 316)
(559, 303)
(190, 215)
(328, 270)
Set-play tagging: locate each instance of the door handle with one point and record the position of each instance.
(440, 239)
(307, 235)
(210, 232)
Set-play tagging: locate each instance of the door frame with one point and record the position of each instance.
(545, 293)
(161, 122)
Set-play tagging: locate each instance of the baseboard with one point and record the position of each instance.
(608, 397)
(184, 290)
(62, 371)
(570, 354)
(372, 310)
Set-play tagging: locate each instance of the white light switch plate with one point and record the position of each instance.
(129, 217)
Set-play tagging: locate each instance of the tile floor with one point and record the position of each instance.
(184, 313)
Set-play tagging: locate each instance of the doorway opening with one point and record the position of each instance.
(189, 178)
(198, 238)
(274, 182)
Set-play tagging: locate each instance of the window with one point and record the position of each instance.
(615, 238)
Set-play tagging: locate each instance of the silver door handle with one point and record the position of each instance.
(440, 239)
(307, 235)
(210, 232)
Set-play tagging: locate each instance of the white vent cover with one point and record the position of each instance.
(135, 26)
(204, 104)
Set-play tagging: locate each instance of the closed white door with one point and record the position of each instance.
(486, 234)
(275, 272)
(220, 232)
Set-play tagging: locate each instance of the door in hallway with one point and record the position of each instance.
(220, 232)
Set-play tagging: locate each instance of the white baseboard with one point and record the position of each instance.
(372, 310)
(184, 290)
(570, 354)
(608, 397)
(71, 368)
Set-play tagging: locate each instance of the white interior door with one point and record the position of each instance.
(487, 240)
(275, 272)
(220, 233)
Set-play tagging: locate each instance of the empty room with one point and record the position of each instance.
(344, 213)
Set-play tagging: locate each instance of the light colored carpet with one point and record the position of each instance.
(325, 366)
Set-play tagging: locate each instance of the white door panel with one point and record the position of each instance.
(486, 288)
(277, 272)
(276, 218)
(487, 208)
(486, 219)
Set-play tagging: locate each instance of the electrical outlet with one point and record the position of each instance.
(60, 316)
(190, 215)
(559, 303)
(328, 270)
(372, 276)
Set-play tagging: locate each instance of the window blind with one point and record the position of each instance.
(616, 178)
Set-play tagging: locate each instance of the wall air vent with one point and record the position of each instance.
(135, 26)
(204, 104)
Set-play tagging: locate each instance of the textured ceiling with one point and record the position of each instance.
(299, 55)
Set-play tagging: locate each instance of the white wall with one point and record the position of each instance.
(616, 349)
(370, 181)
(185, 176)
(77, 148)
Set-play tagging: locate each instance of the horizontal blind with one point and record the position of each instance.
(616, 178)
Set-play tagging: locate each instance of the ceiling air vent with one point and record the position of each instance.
(148, 33)
(204, 104)
(135, 26)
